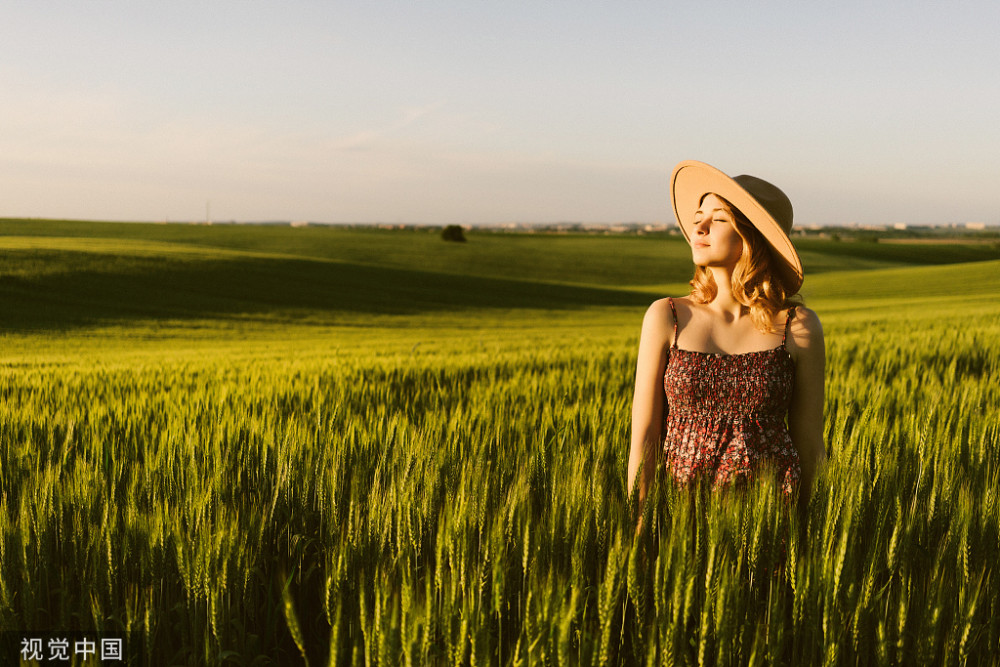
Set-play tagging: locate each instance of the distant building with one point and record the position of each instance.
(975, 225)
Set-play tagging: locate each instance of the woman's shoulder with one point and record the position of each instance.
(803, 318)
(667, 306)
(659, 318)
(804, 327)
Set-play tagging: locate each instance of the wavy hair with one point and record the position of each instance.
(756, 281)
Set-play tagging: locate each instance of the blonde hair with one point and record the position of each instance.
(756, 281)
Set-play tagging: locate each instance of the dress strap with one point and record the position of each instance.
(788, 323)
(673, 310)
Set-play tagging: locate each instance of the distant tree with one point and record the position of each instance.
(453, 233)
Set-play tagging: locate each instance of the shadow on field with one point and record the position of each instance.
(55, 289)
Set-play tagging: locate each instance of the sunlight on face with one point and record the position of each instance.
(714, 239)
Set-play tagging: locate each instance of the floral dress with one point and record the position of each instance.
(724, 415)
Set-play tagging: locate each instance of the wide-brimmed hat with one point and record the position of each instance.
(763, 204)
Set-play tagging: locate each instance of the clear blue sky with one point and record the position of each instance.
(467, 111)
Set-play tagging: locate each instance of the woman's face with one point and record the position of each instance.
(714, 239)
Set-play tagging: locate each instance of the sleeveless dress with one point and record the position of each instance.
(724, 415)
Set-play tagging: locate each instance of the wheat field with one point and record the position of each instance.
(240, 478)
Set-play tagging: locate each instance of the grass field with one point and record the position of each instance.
(274, 445)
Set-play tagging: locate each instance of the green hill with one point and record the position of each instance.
(571, 258)
(61, 277)
(66, 283)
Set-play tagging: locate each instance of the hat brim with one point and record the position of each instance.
(692, 180)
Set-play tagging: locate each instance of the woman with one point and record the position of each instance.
(720, 369)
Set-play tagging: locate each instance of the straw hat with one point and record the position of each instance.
(763, 204)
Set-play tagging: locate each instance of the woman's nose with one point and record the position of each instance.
(701, 227)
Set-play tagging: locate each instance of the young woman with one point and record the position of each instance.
(721, 369)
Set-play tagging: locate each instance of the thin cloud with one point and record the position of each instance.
(367, 139)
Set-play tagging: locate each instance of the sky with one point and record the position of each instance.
(442, 111)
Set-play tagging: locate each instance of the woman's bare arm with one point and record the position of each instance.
(805, 416)
(647, 400)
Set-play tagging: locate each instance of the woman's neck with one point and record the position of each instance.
(724, 301)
